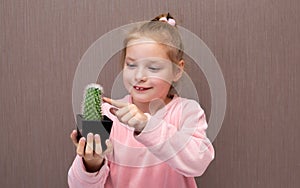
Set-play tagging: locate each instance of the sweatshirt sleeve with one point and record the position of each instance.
(185, 148)
(78, 177)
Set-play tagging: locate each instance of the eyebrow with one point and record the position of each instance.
(129, 58)
(152, 61)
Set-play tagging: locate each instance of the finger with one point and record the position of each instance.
(80, 147)
(89, 146)
(73, 137)
(98, 147)
(113, 110)
(128, 116)
(115, 103)
(133, 122)
(130, 108)
(122, 111)
(138, 122)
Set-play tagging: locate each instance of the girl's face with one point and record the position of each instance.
(148, 72)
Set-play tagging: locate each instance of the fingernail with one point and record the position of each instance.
(113, 110)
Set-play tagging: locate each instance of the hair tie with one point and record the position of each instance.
(166, 18)
(170, 21)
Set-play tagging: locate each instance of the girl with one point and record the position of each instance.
(158, 139)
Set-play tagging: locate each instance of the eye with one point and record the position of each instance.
(154, 69)
(130, 65)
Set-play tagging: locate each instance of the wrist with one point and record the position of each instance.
(93, 166)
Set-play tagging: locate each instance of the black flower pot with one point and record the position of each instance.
(102, 128)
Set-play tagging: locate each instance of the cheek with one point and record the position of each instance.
(161, 83)
(164, 78)
(127, 75)
(126, 78)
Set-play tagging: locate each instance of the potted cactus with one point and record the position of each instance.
(92, 120)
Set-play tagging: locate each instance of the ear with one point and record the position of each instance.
(179, 70)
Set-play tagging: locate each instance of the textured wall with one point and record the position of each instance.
(255, 42)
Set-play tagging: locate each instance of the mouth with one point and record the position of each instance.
(139, 88)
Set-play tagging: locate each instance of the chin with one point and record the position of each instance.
(141, 99)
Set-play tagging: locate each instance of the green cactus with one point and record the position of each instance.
(92, 102)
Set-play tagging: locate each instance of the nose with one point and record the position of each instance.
(140, 75)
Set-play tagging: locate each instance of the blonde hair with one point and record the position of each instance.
(160, 32)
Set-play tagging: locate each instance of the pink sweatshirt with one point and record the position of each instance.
(170, 151)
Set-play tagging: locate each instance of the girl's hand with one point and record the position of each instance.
(128, 114)
(93, 160)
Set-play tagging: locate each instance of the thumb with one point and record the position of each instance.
(109, 148)
(113, 110)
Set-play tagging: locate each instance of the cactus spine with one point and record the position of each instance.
(92, 102)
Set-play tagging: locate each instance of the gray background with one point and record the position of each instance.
(255, 42)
